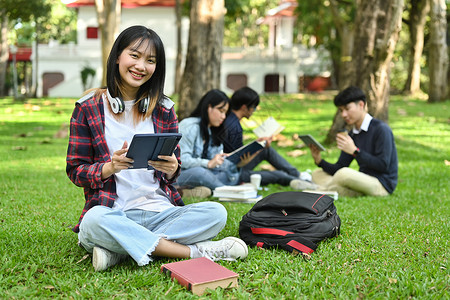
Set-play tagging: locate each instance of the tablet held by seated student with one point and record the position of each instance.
(370, 142)
(149, 146)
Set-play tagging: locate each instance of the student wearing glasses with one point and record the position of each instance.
(205, 166)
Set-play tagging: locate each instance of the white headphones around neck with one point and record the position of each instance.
(118, 106)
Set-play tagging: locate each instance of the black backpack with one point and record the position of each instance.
(293, 221)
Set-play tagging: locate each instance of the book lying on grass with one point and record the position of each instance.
(243, 191)
(270, 127)
(249, 148)
(332, 194)
(239, 200)
(145, 147)
(199, 274)
(308, 140)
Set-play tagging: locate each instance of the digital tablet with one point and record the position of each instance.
(145, 147)
(308, 140)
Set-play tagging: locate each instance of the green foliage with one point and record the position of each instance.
(402, 55)
(315, 19)
(86, 73)
(393, 247)
(25, 9)
(241, 27)
(50, 19)
(61, 24)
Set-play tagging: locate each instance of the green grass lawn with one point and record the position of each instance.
(390, 247)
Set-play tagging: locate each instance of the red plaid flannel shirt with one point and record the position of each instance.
(88, 152)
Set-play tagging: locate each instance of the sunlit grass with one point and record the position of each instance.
(391, 247)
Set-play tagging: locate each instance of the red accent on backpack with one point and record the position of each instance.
(270, 231)
(300, 247)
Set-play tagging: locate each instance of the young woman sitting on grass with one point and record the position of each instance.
(136, 212)
(205, 166)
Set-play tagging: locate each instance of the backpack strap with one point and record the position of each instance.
(300, 247)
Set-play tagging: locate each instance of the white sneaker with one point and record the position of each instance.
(306, 176)
(102, 259)
(230, 248)
(298, 184)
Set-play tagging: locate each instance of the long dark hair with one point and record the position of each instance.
(154, 87)
(211, 99)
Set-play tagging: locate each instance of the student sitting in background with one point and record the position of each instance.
(205, 166)
(243, 103)
(370, 142)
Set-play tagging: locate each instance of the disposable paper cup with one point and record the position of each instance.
(255, 179)
(343, 132)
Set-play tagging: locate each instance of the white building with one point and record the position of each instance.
(278, 68)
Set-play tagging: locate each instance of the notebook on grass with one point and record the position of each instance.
(199, 274)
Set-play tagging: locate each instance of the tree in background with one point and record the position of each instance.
(377, 27)
(329, 24)
(179, 57)
(343, 15)
(181, 9)
(241, 22)
(438, 56)
(418, 11)
(203, 58)
(108, 18)
(10, 12)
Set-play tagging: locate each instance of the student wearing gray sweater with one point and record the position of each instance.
(370, 142)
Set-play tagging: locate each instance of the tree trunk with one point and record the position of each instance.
(345, 66)
(179, 58)
(418, 13)
(346, 34)
(377, 27)
(108, 16)
(202, 70)
(3, 50)
(448, 71)
(438, 56)
(35, 70)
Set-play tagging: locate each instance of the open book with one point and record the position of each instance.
(270, 127)
(249, 148)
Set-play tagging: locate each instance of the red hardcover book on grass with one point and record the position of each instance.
(198, 274)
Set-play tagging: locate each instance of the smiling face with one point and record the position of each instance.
(217, 114)
(136, 64)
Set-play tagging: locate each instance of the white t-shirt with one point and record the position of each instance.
(136, 188)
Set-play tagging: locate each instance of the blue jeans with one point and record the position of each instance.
(137, 232)
(211, 178)
(283, 175)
